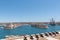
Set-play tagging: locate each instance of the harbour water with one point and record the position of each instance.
(27, 29)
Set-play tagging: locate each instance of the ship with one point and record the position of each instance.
(52, 22)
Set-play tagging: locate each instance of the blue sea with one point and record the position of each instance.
(27, 29)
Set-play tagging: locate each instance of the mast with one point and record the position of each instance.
(52, 22)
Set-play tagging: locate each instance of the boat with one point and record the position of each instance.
(40, 26)
(52, 22)
(43, 26)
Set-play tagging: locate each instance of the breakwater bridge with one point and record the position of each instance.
(12, 25)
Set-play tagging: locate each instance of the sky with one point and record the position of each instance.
(29, 10)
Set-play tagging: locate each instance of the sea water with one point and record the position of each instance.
(24, 30)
